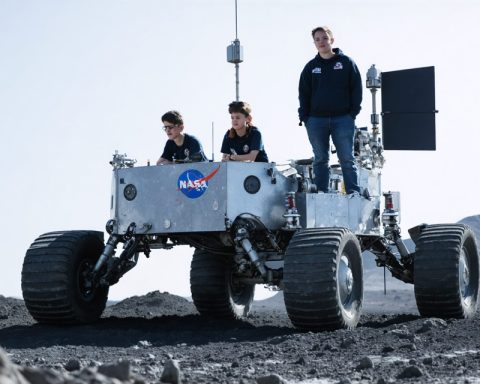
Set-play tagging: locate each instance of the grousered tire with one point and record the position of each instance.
(215, 291)
(323, 279)
(446, 271)
(53, 278)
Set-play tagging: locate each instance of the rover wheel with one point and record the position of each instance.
(323, 279)
(54, 284)
(446, 271)
(215, 292)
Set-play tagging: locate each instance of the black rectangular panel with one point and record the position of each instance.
(408, 109)
(409, 131)
(409, 90)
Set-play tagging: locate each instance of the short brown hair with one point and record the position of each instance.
(240, 107)
(173, 117)
(325, 29)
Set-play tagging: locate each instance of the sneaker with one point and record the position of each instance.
(366, 194)
(353, 194)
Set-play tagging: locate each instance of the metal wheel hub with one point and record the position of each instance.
(236, 288)
(463, 274)
(345, 279)
(85, 284)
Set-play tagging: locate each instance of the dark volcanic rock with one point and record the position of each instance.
(171, 372)
(153, 304)
(410, 372)
(13, 312)
(8, 371)
(120, 370)
(145, 338)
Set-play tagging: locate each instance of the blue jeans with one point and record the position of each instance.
(342, 130)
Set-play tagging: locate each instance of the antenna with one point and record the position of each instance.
(213, 146)
(235, 55)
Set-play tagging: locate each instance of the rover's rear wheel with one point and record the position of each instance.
(54, 277)
(215, 291)
(323, 279)
(446, 271)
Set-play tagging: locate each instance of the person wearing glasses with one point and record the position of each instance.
(179, 146)
(330, 94)
(242, 142)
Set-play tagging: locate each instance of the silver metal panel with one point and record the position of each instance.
(172, 198)
(196, 197)
(268, 203)
(336, 209)
(339, 210)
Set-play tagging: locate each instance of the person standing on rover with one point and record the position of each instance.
(330, 94)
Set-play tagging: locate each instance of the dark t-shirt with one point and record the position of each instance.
(190, 146)
(245, 144)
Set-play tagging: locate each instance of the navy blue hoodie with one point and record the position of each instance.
(330, 87)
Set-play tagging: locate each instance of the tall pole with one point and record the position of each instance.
(237, 81)
(236, 23)
(237, 67)
(235, 56)
(213, 142)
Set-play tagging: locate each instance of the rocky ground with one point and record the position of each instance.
(161, 338)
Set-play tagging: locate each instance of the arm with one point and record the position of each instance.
(225, 148)
(304, 93)
(250, 156)
(355, 91)
(167, 155)
(255, 144)
(162, 161)
(194, 145)
(195, 148)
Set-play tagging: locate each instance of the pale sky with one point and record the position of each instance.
(80, 79)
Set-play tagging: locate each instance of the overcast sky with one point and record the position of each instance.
(80, 79)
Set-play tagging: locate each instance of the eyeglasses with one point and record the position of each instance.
(168, 127)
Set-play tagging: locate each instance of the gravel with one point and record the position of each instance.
(160, 337)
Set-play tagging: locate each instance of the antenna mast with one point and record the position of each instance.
(213, 142)
(235, 55)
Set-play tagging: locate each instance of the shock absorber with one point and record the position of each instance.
(390, 214)
(291, 214)
(111, 244)
(241, 238)
(391, 221)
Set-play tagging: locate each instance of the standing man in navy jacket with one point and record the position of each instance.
(330, 94)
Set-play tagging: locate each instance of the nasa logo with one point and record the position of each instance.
(193, 184)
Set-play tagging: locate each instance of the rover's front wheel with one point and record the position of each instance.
(55, 281)
(323, 279)
(446, 271)
(215, 290)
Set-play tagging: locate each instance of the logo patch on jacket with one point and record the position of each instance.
(317, 70)
(338, 65)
